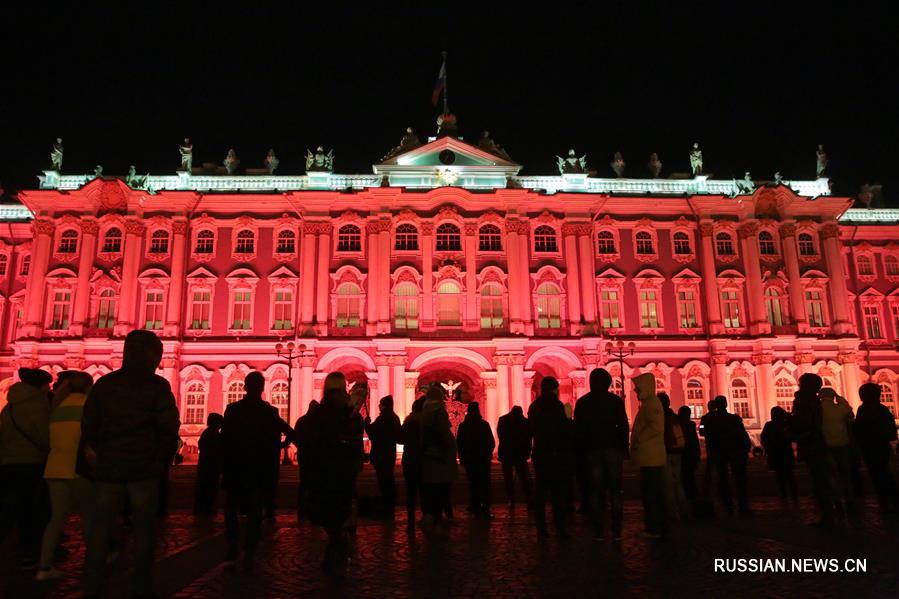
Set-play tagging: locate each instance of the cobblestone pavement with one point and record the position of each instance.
(503, 558)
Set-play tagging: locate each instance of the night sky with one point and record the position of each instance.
(758, 89)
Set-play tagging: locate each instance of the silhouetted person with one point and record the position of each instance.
(24, 445)
(553, 456)
(648, 453)
(691, 454)
(209, 465)
(475, 441)
(335, 459)
(384, 434)
(251, 436)
(514, 450)
(836, 423)
(674, 449)
(411, 438)
(601, 437)
(301, 439)
(709, 471)
(807, 423)
(875, 429)
(129, 429)
(729, 446)
(778, 445)
(438, 460)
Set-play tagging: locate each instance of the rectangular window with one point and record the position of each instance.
(872, 322)
(649, 310)
(241, 319)
(730, 308)
(686, 309)
(491, 312)
(814, 307)
(740, 400)
(609, 309)
(62, 305)
(106, 313)
(200, 309)
(153, 313)
(283, 311)
(894, 309)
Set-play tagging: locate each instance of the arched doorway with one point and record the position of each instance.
(461, 369)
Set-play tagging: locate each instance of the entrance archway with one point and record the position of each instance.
(460, 368)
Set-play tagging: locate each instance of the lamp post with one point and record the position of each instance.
(620, 349)
(289, 352)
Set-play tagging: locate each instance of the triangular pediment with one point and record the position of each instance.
(446, 151)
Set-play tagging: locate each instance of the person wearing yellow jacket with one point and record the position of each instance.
(63, 482)
(648, 453)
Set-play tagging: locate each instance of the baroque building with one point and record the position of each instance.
(446, 265)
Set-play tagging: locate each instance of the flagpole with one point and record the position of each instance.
(445, 85)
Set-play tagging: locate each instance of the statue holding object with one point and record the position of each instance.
(320, 161)
(231, 162)
(821, 161)
(56, 155)
(618, 164)
(696, 160)
(572, 163)
(187, 155)
(654, 166)
(271, 162)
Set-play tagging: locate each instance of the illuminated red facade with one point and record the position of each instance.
(424, 272)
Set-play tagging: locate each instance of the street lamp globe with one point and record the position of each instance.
(279, 347)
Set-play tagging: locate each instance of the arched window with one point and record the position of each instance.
(449, 304)
(724, 244)
(887, 398)
(865, 265)
(491, 306)
(26, 265)
(783, 393)
(287, 242)
(349, 239)
(406, 238)
(195, 404)
(682, 244)
(695, 398)
(739, 394)
(405, 306)
(545, 239)
(766, 244)
(549, 307)
(448, 238)
(278, 397)
(159, 242)
(490, 239)
(644, 243)
(605, 243)
(775, 309)
(806, 245)
(68, 242)
(112, 241)
(349, 300)
(246, 242)
(205, 242)
(4, 264)
(891, 265)
(235, 392)
(106, 310)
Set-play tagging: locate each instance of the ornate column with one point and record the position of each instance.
(572, 277)
(516, 381)
(504, 403)
(850, 375)
(307, 278)
(804, 361)
(383, 283)
(400, 406)
(81, 312)
(710, 279)
(839, 294)
(719, 370)
(411, 383)
(383, 363)
(374, 276)
(307, 363)
(43, 230)
(427, 272)
(764, 382)
(472, 318)
(491, 410)
(758, 313)
(134, 237)
(587, 274)
(791, 263)
(173, 322)
(518, 303)
(323, 278)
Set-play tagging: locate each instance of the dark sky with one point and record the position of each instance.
(758, 89)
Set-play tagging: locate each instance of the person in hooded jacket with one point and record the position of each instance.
(674, 448)
(24, 445)
(384, 434)
(129, 429)
(411, 438)
(875, 431)
(807, 425)
(475, 441)
(601, 436)
(514, 450)
(836, 422)
(438, 459)
(553, 456)
(209, 466)
(648, 453)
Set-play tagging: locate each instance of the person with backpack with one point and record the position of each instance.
(675, 444)
(836, 422)
(648, 453)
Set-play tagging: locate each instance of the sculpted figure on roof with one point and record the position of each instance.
(487, 144)
(187, 155)
(320, 161)
(410, 141)
(572, 163)
(696, 160)
(231, 162)
(56, 155)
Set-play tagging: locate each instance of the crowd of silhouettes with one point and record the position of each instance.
(106, 448)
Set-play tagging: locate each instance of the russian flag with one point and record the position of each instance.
(440, 86)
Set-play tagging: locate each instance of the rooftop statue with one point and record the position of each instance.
(187, 155)
(654, 166)
(135, 181)
(320, 161)
(231, 162)
(618, 164)
(572, 164)
(410, 141)
(56, 155)
(271, 162)
(746, 184)
(447, 125)
(821, 165)
(487, 144)
(98, 171)
(696, 160)
(778, 179)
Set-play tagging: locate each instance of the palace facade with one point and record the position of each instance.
(446, 265)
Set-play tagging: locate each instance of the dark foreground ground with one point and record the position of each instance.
(502, 558)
